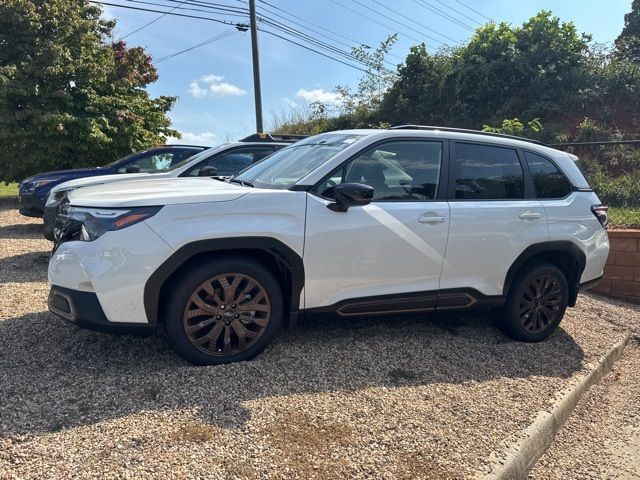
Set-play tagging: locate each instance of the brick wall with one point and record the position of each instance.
(622, 272)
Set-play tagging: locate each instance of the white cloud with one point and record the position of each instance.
(318, 95)
(214, 86)
(191, 138)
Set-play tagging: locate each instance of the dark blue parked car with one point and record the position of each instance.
(35, 189)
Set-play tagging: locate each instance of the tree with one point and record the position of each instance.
(69, 97)
(628, 42)
(531, 71)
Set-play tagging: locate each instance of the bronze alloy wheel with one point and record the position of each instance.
(540, 303)
(226, 314)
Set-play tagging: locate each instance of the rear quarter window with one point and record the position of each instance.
(548, 181)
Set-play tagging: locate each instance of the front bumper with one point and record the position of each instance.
(31, 205)
(83, 309)
(114, 267)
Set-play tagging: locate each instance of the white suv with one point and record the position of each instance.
(357, 222)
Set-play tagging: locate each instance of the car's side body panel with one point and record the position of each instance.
(381, 248)
(485, 238)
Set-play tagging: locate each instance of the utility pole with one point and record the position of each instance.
(256, 66)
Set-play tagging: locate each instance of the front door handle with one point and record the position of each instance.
(530, 216)
(426, 219)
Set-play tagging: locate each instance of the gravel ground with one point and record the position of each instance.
(601, 439)
(389, 397)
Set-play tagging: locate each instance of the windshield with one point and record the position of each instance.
(198, 156)
(287, 166)
(120, 160)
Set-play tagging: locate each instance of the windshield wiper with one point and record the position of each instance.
(244, 183)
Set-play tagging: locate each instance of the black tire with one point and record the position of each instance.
(182, 313)
(536, 303)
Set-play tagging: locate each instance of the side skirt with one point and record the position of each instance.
(430, 301)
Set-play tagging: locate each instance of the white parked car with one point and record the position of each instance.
(222, 161)
(358, 222)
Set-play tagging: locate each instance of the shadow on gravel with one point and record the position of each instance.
(8, 203)
(54, 375)
(22, 230)
(26, 267)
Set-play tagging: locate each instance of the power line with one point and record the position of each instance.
(154, 20)
(473, 10)
(411, 19)
(399, 22)
(218, 7)
(376, 21)
(232, 13)
(446, 16)
(174, 14)
(312, 50)
(314, 41)
(314, 24)
(459, 12)
(220, 36)
(336, 34)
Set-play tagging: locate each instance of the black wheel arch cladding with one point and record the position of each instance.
(269, 248)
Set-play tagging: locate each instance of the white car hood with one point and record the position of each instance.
(117, 177)
(157, 191)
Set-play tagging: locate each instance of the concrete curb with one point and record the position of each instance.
(522, 453)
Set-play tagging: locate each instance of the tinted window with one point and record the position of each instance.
(232, 162)
(403, 170)
(484, 172)
(547, 179)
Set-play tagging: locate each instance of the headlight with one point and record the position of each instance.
(57, 195)
(87, 224)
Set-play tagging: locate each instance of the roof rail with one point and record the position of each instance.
(184, 145)
(464, 130)
(273, 137)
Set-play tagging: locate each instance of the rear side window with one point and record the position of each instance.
(484, 172)
(547, 179)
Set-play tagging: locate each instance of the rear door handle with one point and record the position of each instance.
(530, 215)
(426, 219)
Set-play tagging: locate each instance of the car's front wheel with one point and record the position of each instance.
(223, 311)
(536, 303)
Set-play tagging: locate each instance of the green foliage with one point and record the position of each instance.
(503, 72)
(628, 42)
(358, 107)
(68, 97)
(8, 190)
(516, 127)
(624, 217)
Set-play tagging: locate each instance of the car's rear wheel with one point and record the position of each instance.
(223, 311)
(536, 303)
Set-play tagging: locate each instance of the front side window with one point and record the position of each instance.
(399, 170)
(547, 179)
(232, 162)
(484, 172)
(288, 165)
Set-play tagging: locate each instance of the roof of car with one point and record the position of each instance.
(456, 134)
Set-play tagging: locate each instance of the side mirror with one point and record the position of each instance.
(351, 195)
(132, 169)
(208, 171)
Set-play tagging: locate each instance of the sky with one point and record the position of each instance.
(214, 82)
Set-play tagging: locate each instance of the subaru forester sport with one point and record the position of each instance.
(357, 222)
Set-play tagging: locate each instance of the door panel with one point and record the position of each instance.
(485, 239)
(379, 249)
(491, 223)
